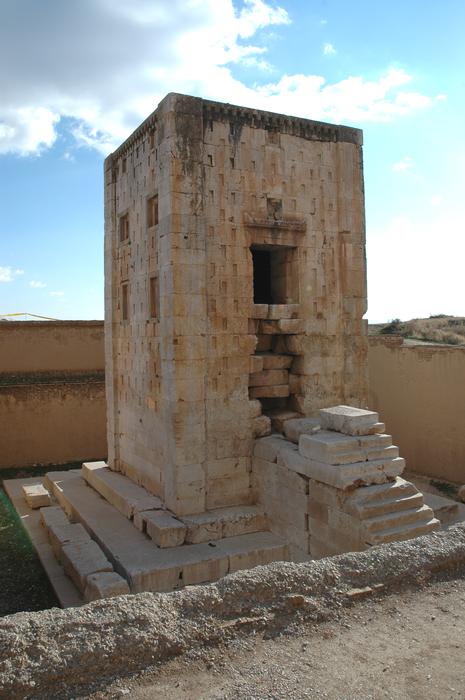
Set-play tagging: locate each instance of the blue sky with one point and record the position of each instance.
(78, 76)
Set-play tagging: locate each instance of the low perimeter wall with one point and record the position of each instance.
(52, 393)
(419, 391)
(52, 397)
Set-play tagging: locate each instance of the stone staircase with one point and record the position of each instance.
(111, 536)
(391, 511)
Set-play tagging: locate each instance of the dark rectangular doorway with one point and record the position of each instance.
(262, 293)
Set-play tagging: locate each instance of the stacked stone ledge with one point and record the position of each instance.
(336, 487)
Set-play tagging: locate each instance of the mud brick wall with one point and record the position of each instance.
(52, 393)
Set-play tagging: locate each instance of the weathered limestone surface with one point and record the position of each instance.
(105, 584)
(81, 559)
(36, 496)
(349, 420)
(191, 200)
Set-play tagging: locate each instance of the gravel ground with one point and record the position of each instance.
(71, 653)
(406, 645)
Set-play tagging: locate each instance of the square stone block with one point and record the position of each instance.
(36, 496)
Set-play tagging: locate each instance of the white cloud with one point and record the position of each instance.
(328, 49)
(105, 64)
(57, 294)
(436, 200)
(405, 163)
(409, 274)
(35, 284)
(7, 274)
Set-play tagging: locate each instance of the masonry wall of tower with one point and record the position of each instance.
(196, 199)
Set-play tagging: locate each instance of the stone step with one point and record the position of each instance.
(337, 448)
(344, 476)
(163, 528)
(394, 490)
(445, 509)
(224, 522)
(379, 508)
(119, 490)
(400, 518)
(405, 532)
(145, 566)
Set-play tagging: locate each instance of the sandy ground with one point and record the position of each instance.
(408, 645)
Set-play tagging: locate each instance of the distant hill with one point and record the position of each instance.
(440, 328)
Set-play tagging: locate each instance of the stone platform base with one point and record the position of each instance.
(102, 535)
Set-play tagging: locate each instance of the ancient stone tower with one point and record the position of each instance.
(235, 290)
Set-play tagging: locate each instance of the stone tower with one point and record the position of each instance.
(235, 291)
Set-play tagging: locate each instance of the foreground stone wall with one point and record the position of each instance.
(420, 392)
(52, 392)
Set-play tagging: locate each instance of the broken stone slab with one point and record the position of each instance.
(81, 559)
(36, 496)
(119, 490)
(164, 529)
(295, 427)
(105, 584)
(278, 311)
(348, 420)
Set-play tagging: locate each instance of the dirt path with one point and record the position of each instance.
(409, 645)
